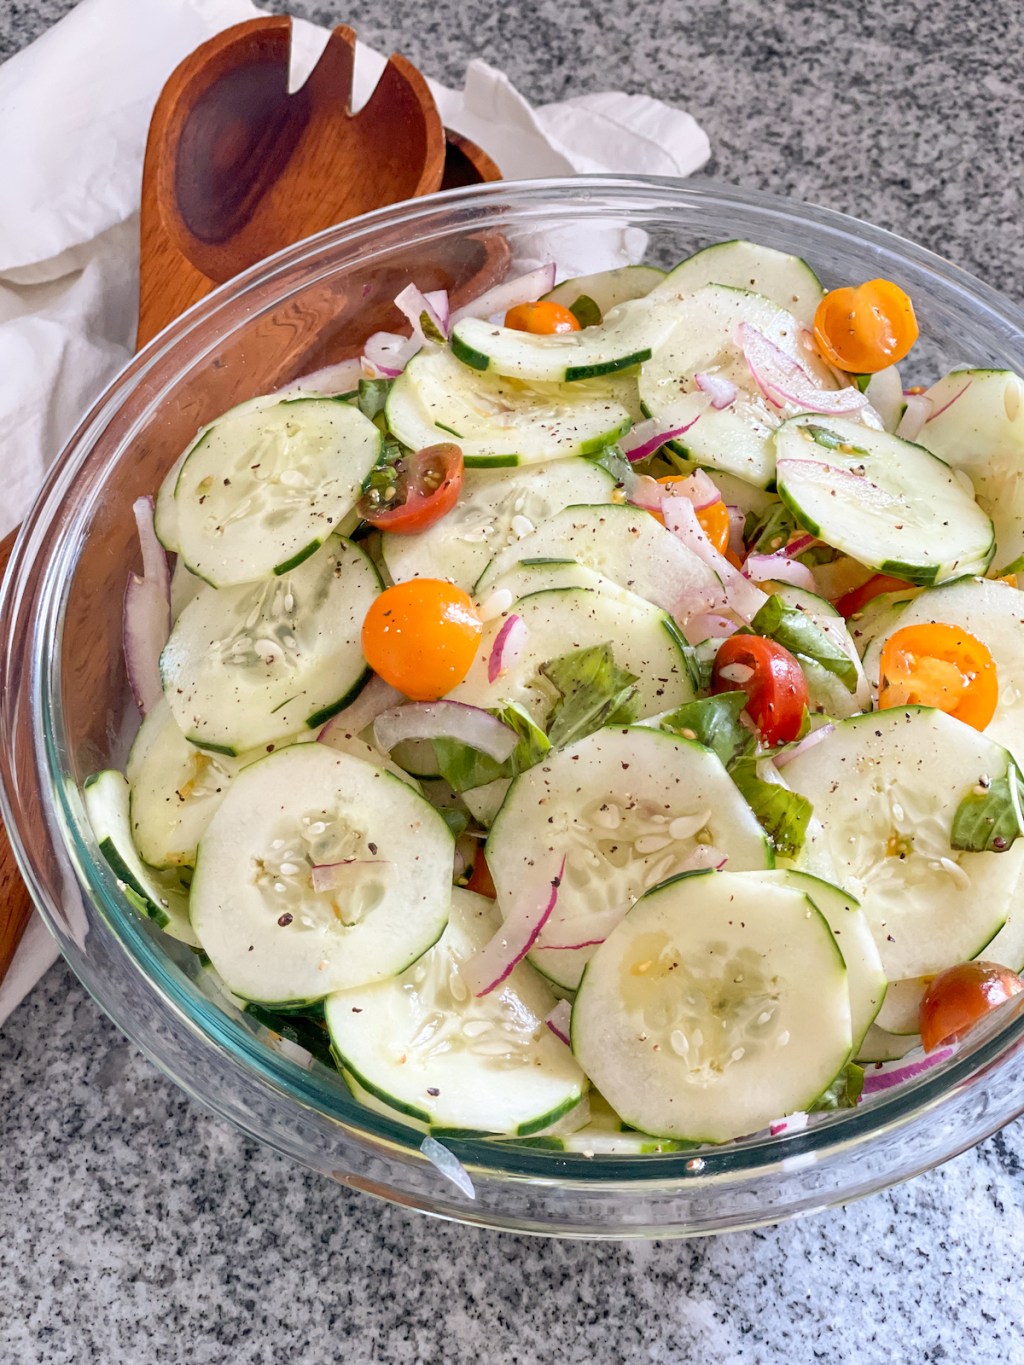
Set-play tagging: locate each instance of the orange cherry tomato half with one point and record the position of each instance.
(857, 598)
(422, 636)
(863, 329)
(772, 679)
(480, 879)
(543, 319)
(425, 487)
(959, 997)
(942, 666)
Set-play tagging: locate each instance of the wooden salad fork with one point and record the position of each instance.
(237, 168)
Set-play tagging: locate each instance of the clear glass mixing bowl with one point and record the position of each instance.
(65, 710)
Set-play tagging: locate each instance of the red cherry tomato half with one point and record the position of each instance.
(772, 679)
(857, 598)
(480, 878)
(425, 487)
(962, 995)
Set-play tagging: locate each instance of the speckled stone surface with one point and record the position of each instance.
(135, 1228)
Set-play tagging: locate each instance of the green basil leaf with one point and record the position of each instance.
(797, 632)
(771, 530)
(463, 767)
(713, 722)
(782, 814)
(372, 395)
(698, 667)
(613, 460)
(844, 1092)
(990, 820)
(595, 692)
(586, 311)
(305, 1030)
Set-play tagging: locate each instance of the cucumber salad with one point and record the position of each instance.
(595, 716)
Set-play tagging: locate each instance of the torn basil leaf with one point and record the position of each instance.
(783, 814)
(372, 395)
(844, 1092)
(796, 631)
(594, 692)
(713, 722)
(990, 820)
(463, 767)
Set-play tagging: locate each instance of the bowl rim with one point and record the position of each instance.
(844, 1131)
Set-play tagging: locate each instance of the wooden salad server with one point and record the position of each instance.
(237, 168)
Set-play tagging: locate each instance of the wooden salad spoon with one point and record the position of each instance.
(236, 168)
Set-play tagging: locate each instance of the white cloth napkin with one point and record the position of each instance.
(74, 110)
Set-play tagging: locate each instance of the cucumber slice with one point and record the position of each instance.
(865, 977)
(627, 336)
(624, 544)
(496, 509)
(879, 1046)
(499, 421)
(426, 1046)
(885, 787)
(718, 1004)
(251, 665)
(737, 492)
(902, 1004)
(890, 504)
(608, 288)
(977, 426)
(879, 618)
(644, 640)
(994, 613)
(185, 588)
(628, 807)
(604, 1134)
(265, 485)
(787, 281)
(522, 580)
(827, 695)
(736, 439)
(269, 934)
(160, 896)
(1007, 948)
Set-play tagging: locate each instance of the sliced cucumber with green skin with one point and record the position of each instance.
(628, 807)
(604, 1134)
(160, 896)
(624, 544)
(879, 618)
(248, 666)
(885, 788)
(644, 641)
(629, 334)
(1007, 948)
(879, 1046)
(890, 504)
(185, 588)
(274, 938)
(828, 696)
(993, 613)
(496, 509)
(718, 1004)
(265, 485)
(977, 426)
(738, 492)
(426, 1046)
(498, 421)
(523, 579)
(900, 1011)
(736, 439)
(866, 979)
(787, 281)
(608, 288)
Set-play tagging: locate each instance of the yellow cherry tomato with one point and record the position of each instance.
(543, 319)
(422, 636)
(863, 329)
(942, 666)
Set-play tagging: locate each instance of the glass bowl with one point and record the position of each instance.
(65, 710)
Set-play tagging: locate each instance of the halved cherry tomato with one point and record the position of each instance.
(942, 666)
(480, 879)
(713, 519)
(772, 679)
(422, 636)
(960, 996)
(863, 329)
(857, 598)
(425, 487)
(543, 319)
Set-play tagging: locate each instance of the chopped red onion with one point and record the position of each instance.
(946, 406)
(709, 625)
(507, 648)
(785, 756)
(784, 380)
(340, 378)
(918, 410)
(445, 720)
(698, 487)
(647, 437)
(885, 1077)
(559, 1021)
(782, 568)
(388, 353)
(740, 595)
(737, 524)
(334, 876)
(527, 916)
(376, 696)
(146, 621)
(647, 493)
(414, 304)
(792, 1123)
(523, 289)
(720, 390)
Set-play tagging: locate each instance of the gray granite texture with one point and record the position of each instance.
(135, 1228)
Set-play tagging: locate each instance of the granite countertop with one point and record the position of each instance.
(136, 1228)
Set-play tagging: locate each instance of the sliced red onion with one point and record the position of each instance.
(740, 595)
(507, 648)
(523, 289)
(647, 437)
(647, 493)
(334, 876)
(445, 720)
(709, 625)
(884, 392)
(527, 916)
(698, 487)
(703, 857)
(792, 1123)
(808, 742)
(885, 1077)
(782, 568)
(918, 410)
(414, 304)
(720, 390)
(146, 621)
(737, 525)
(784, 380)
(798, 545)
(946, 406)
(559, 1021)
(376, 696)
(388, 353)
(340, 378)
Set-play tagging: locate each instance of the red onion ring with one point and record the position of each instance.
(784, 380)
(507, 648)
(529, 913)
(445, 720)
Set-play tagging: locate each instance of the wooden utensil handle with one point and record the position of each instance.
(15, 903)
